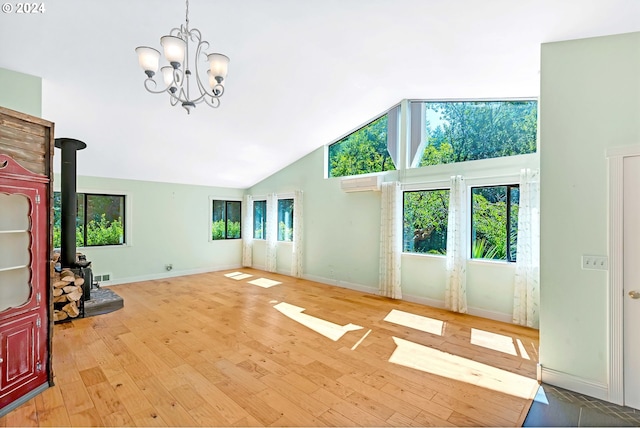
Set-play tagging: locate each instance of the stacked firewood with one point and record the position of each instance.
(67, 294)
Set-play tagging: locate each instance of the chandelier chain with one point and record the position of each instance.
(187, 14)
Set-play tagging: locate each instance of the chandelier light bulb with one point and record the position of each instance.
(148, 59)
(174, 48)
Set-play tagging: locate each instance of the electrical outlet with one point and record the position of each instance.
(595, 262)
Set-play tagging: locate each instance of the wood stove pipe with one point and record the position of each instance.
(68, 199)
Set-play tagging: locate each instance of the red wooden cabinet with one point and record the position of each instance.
(25, 231)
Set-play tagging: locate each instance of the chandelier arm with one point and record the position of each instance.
(149, 80)
(202, 45)
(214, 103)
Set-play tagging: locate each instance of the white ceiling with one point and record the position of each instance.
(302, 72)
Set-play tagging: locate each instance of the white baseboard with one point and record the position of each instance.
(573, 383)
(343, 284)
(483, 313)
(169, 274)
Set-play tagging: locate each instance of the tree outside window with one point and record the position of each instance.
(494, 222)
(285, 219)
(225, 219)
(99, 220)
(259, 219)
(425, 214)
(361, 152)
(460, 131)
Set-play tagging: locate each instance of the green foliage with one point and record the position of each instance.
(425, 221)
(285, 233)
(218, 230)
(482, 250)
(468, 131)
(104, 232)
(233, 230)
(361, 152)
(489, 225)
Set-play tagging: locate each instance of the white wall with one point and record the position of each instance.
(342, 233)
(165, 224)
(589, 102)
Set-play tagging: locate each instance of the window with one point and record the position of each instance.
(99, 220)
(494, 222)
(285, 219)
(426, 214)
(260, 220)
(365, 150)
(225, 220)
(459, 131)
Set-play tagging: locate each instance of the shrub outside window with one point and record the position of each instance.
(494, 222)
(459, 131)
(285, 219)
(425, 214)
(259, 219)
(361, 152)
(225, 219)
(99, 220)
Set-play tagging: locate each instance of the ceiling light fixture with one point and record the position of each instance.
(177, 76)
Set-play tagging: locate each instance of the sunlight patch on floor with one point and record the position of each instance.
(430, 360)
(325, 328)
(523, 352)
(232, 274)
(242, 276)
(418, 322)
(494, 341)
(264, 282)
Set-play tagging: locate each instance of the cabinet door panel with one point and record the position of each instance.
(21, 365)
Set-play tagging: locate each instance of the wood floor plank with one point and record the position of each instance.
(208, 350)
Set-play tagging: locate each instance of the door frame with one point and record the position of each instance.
(615, 158)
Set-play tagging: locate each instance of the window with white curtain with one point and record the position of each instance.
(425, 214)
(285, 219)
(494, 222)
(260, 219)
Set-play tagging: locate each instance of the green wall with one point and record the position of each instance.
(589, 102)
(21, 92)
(166, 224)
(342, 233)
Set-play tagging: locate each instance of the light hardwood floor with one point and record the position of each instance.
(210, 350)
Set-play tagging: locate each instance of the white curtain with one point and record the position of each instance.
(296, 257)
(390, 240)
(247, 232)
(526, 302)
(457, 236)
(272, 232)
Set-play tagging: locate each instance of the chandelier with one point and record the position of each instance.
(179, 79)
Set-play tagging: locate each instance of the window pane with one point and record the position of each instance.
(361, 152)
(259, 219)
(80, 224)
(57, 219)
(469, 130)
(514, 204)
(233, 219)
(285, 220)
(489, 223)
(104, 221)
(426, 214)
(218, 220)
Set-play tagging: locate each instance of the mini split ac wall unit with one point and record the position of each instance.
(361, 184)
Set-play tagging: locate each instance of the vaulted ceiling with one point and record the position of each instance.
(302, 72)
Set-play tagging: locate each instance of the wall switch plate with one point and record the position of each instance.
(595, 262)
